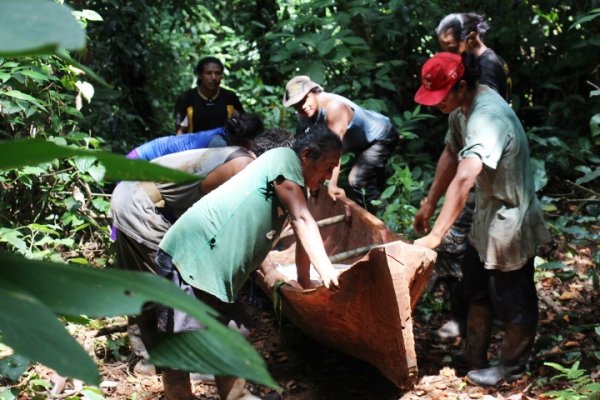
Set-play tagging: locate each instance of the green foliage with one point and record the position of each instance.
(22, 35)
(580, 384)
(34, 292)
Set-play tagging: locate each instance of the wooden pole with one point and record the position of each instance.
(324, 222)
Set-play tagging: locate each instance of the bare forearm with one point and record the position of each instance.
(307, 233)
(456, 198)
(444, 173)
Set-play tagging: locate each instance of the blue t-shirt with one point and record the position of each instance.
(174, 144)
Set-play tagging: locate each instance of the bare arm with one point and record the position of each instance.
(456, 197)
(307, 235)
(444, 173)
(339, 116)
(223, 172)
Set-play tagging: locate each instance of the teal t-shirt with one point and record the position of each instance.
(507, 225)
(225, 236)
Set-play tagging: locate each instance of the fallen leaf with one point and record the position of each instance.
(571, 343)
(568, 295)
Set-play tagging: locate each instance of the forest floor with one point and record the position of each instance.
(306, 370)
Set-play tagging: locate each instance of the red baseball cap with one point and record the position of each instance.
(438, 75)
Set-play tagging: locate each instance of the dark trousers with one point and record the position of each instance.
(511, 294)
(367, 177)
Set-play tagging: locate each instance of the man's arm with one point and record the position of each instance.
(444, 173)
(307, 234)
(456, 197)
(339, 116)
(223, 172)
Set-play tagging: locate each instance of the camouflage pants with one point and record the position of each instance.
(454, 243)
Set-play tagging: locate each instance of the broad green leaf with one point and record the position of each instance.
(595, 125)
(13, 366)
(18, 153)
(385, 84)
(354, 41)
(38, 27)
(552, 265)
(35, 75)
(8, 393)
(32, 329)
(13, 237)
(24, 96)
(588, 177)
(69, 290)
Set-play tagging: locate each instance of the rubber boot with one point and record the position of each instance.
(479, 328)
(516, 348)
(177, 386)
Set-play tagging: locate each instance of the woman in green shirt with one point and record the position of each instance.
(213, 247)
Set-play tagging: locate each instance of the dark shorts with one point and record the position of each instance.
(512, 294)
(368, 176)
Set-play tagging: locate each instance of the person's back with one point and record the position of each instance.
(366, 127)
(173, 144)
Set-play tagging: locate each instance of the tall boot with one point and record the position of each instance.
(516, 348)
(176, 385)
(459, 308)
(479, 330)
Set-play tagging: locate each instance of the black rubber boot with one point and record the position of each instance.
(479, 327)
(177, 386)
(516, 348)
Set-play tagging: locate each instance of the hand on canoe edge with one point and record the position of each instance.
(431, 241)
(272, 275)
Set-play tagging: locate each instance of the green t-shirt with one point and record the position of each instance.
(225, 236)
(507, 225)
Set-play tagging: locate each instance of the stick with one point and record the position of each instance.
(350, 253)
(321, 223)
(550, 302)
(109, 330)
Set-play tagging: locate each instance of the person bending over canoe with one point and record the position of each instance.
(367, 133)
(142, 212)
(508, 226)
(212, 249)
(239, 130)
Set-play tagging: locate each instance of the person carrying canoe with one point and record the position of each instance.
(491, 151)
(213, 247)
(367, 133)
(459, 33)
(142, 212)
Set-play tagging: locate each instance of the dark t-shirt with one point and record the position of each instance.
(495, 73)
(204, 114)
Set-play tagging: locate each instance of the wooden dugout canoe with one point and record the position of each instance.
(369, 317)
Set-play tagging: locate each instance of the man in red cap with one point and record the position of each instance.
(485, 145)
(367, 133)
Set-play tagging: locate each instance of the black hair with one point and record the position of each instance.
(208, 60)
(461, 24)
(319, 139)
(472, 72)
(242, 127)
(270, 139)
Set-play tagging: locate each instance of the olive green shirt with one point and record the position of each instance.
(508, 225)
